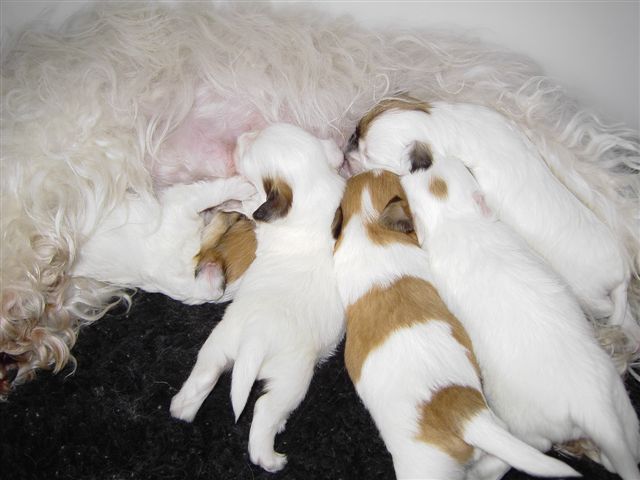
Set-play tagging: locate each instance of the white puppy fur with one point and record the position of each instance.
(126, 96)
(410, 360)
(153, 244)
(518, 186)
(537, 353)
(287, 314)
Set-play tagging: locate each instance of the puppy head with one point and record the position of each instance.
(385, 136)
(376, 201)
(283, 160)
(445, 188)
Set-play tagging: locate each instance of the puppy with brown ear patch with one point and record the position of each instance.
(287, 314)
(544, 373)
(400, 134)
(409, 358)
(227, 249)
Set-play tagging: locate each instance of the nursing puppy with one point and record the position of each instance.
(543, 371)
(410, 359)
(228, 248)
(518, 186)
(152, 245)
(287, 314)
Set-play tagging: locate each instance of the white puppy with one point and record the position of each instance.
(152, 244)
(518, 186)
(287, 314)
(410, 359)
(543, 371)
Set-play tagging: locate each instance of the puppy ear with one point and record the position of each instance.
(336, 225)
(395, 217)
(334, 155)
(420, 156)
(279, 201)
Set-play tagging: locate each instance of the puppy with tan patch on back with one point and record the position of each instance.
(549, 209)
(410, 359)
(544, 373)
(287, 314)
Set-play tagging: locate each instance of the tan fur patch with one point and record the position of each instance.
(383, 186)
(444, 417)
(233, 250)
(279, 200)
(438, 188)
(402, 102)
(382, 311)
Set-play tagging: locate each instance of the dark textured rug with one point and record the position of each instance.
(110, 419)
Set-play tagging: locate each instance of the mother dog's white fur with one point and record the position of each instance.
(127, 96)
(543, 372)
(520, 188)
(287, 314)
(423, 355)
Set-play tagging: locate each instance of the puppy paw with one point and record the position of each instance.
(184, 406)
(210, 280)
(271, 461)
(242, 189)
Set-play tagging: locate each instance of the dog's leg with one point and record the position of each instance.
(215, 356)
(606, 430)
(199, 196)
(413, 459)
(285, 390)
(622, 312)
(488, 467)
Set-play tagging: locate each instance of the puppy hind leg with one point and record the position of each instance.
(608, 434)
(214, 358)
(285, 390)
(622, 314)
(488, 467)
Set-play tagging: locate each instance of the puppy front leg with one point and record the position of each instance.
(286, 389)
(199, 196)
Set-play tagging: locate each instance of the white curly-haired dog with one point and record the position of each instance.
(287, 314)
(517, 184)
(543, 371)
(410, 359)
(126, 97)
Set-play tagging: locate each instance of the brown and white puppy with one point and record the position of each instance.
(410, 359)
(228, 247)
(286, 315)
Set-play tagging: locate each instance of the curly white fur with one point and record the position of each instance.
(125, 97)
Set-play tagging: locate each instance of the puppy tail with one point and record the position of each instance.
(245, 372)
(614, 430)
(486, 433)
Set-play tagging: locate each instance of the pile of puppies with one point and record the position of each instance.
(466, 276)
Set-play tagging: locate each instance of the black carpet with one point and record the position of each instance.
(110, 419)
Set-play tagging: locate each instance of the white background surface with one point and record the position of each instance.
(592, 47)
